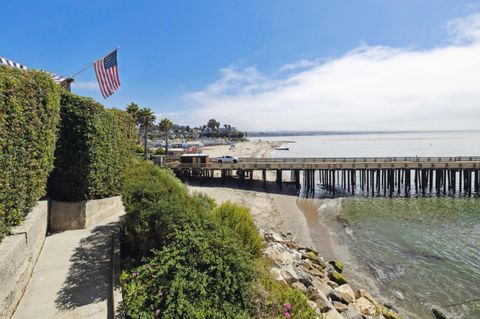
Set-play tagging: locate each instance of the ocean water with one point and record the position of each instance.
(420, 252)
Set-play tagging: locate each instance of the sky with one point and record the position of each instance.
(265, 65)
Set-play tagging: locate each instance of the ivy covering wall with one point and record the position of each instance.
(29, 114)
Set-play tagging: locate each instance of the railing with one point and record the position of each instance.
(356, 159)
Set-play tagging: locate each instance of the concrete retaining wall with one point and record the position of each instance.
(84, 214)
(18, 254)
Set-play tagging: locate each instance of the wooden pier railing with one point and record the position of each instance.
(370, 176)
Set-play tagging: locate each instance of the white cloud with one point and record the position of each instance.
(86, 85)
(369, 88)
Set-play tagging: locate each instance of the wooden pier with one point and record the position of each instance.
(379, 176)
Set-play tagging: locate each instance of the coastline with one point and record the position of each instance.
(312, 222)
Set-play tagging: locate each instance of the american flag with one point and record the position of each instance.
(106, 70)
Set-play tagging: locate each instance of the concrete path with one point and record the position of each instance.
(73, 275)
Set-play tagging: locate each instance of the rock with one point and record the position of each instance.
(286, 258)
(315, 272)
(299, 286)
(337, 277)
(337, 265)
(346, 293)
(438, 314)
(352, 313)
(362, 293)
(320, 299)
(333, 314)
(365, 307)
(340, 307)
(292, 245)
(275, 272)
(390, 314)
(289, 274)
(332, 284)
(304, 278)
(335, 296)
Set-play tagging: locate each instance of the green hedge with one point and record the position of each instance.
(29, 114)
(94, 147)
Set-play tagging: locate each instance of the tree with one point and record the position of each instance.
(213, 125)
(133, 109)
(146, 119)
(165, 126)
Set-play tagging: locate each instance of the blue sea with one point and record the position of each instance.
(419, 252)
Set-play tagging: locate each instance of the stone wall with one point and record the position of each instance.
(83, 214)
(18, 254)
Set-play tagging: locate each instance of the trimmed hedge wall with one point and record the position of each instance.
(29, 114)
(94, 147)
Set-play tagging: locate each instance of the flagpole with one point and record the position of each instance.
(89, 65)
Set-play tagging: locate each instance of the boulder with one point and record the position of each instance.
(337, 265)
(340, 307)
(346, 293)
(289, 274)
(337, 277)
(333, 314)
(390, 314)
(303, 277)
(320, 299)
(332, 284)
(315, 272)
(335, 296)
(362, 293)
(299, 286)
(352, 313)
(438, 314)
(365, 307)
(276, 273)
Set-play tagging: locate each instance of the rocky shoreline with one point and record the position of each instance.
(324, 284)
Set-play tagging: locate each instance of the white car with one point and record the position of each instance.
(227, 159)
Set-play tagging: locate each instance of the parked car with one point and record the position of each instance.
(227, 159)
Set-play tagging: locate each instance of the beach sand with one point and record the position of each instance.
(313, 221)
(271, 209)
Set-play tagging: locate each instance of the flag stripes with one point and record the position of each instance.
(106, 71)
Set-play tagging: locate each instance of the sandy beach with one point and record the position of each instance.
(312, 221)
(270, 209)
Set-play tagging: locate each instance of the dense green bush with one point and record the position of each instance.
(199, 266)
(192, 259)
(95, 146)
(240, 220)
(29, 114)
(201, 273)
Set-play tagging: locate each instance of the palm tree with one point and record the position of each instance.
(133, 109)
(165, 126)
(146, 119)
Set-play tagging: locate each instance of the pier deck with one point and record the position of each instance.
(370, 176)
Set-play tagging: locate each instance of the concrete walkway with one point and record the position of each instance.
(73, 275)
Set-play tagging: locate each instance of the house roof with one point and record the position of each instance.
(57, 78)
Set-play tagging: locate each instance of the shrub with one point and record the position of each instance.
(203, 273)
(160, 151)
(197, 264)
(155, 200)
(29, 114)
(240, 220)
(94, 147)
(139, 149)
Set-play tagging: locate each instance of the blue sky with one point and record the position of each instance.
(181, 57)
